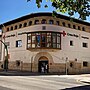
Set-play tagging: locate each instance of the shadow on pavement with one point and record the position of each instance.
(23, 73)
(86, 87)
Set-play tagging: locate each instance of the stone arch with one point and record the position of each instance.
(44, 55)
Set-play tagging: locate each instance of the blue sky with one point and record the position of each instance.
(12, 9)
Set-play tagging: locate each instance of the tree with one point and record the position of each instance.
(82, 7)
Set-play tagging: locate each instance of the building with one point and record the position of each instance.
(42, 43)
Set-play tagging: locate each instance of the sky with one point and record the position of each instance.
(12, 9)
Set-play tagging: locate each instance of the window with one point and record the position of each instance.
(44, 40)
(74, 26)
(83, 29)
(85, 45)
(36, 22)
(51, 22)
(43, 27)
(43, 21)
(20, 25)
(78, 27)
(19, 43)
(85, 64)
(30, 23)
(71, 43)
(71, 64)
(17, 63)
(7, 29)
(25, 24)
(63, 23)
(57, 22)
(69, 25)
(11, 27)
(15, 26)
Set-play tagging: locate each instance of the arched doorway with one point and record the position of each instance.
(43, 64)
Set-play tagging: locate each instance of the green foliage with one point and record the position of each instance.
(82, 7)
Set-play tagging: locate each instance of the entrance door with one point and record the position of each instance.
(43, 66)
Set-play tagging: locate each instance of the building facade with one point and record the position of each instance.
(42, 43)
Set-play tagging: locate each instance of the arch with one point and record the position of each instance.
(51, 22)
(44, 55)
(43, 21)
(20, 25)
(36, 22)
(15, 26)
(25, 24)
(43, 58)
(11, 27)
(30, 23)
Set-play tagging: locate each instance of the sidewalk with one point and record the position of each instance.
(85, 78)
(17, 73)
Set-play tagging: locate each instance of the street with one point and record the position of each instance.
(53, 82)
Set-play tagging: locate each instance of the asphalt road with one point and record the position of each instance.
(41, 83)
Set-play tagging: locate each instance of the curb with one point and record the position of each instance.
(84, 81)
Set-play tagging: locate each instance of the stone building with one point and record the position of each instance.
(39, 42)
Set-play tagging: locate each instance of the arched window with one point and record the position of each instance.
(74, 26)
(25, 24)
(51, 21)
(20, 25)
(30, 23)
(15, 26)
(11, 27)
(43, 21)
(78, 27)
(57, 22)
(83, 29)
(8, 29)
(36, 22)
(69, 25)
(63, 23)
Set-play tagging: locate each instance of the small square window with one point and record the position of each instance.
(19, 43)
(43, 27)
(71, 43)
(85, 45)
(71, 64)
(85, 64)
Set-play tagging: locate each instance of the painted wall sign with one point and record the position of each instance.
(75, 35)
(85, 37)
(12, 35)
(68, 34)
